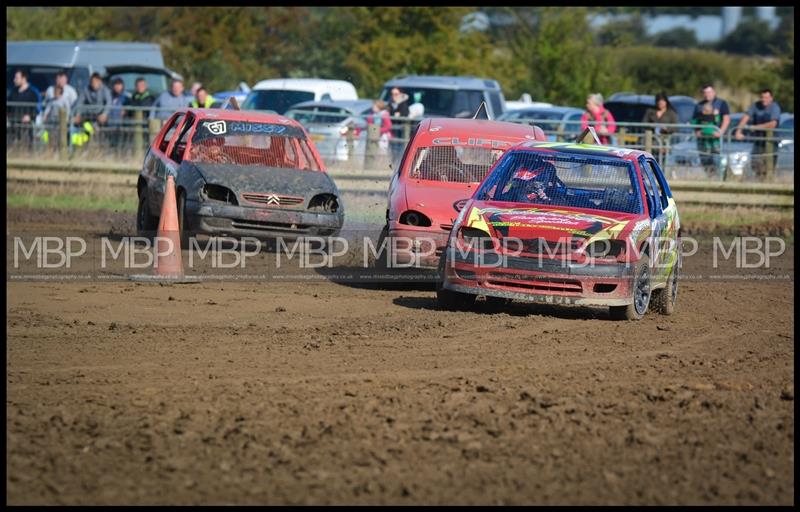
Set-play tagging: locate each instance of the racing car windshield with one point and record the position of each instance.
(559, 179)
(262, 150)
(457, 164)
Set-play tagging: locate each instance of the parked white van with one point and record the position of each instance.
(279, 94)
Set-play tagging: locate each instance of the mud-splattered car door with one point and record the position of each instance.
(164, 164)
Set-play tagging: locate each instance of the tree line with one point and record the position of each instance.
(551, 53)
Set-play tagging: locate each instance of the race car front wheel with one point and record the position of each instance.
(146, 224)
(664, 299)
(641, 294)
(448, 299)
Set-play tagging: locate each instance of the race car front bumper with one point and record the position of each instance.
(546, 280)
(262, 223)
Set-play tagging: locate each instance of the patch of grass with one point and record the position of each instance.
(735, 216)
(70, 202)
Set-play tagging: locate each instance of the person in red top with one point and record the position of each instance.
(602, 120)
(380, 117)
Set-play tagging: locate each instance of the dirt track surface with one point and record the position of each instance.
(248, 393)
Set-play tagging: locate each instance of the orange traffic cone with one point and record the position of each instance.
(168, 262)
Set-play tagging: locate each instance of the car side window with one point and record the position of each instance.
(497, 105)
(405, 152)
(653, 202)
(659, 182)
(180, 147)
(173, 123)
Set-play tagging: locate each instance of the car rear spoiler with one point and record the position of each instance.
(233, 102)
(594, 139)
(482, 108)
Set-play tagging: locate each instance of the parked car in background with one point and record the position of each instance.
(553, 120)
(567, 224)
(278, 95)
(442, 165)
(449, 96)
(240, 94)
(127, 60)
(785, 162)
(238, 173)
(328, 123)
(630, 108)
(525, 101)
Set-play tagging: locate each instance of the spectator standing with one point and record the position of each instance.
(203, 100)
(707, 144)
(94, 103)
(597, 115)
(23, 116)
(91, 110)
(762, 115)
(57, 103)
(663, 113)
(398, 107)
(170, 101)
(69, 93)
(194, 88)
(718, 108)
(141, 97)
(116, 116)
(380, 117)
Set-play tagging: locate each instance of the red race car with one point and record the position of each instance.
(442, 166)
(567, 224)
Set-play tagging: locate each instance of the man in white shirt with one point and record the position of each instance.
(69, 94)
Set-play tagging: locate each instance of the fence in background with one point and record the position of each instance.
(348, 142)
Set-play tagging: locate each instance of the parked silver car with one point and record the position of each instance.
(551, 120)
(328, 123)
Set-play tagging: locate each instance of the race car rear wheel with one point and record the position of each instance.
(448, 299)
(146, 224)
(641, 294)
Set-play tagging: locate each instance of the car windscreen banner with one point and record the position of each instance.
(209, 129)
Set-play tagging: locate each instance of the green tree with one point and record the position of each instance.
(558, 60)
(751, 37)
(676, 38)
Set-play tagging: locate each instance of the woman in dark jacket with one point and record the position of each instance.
(663, 113)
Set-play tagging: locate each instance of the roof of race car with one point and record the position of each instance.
(240, 115)
(465, 129)
(584, 149)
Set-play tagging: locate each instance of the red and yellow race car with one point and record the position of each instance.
(567, 224)
(442, 166)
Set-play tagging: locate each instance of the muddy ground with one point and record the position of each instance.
(328, 393)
